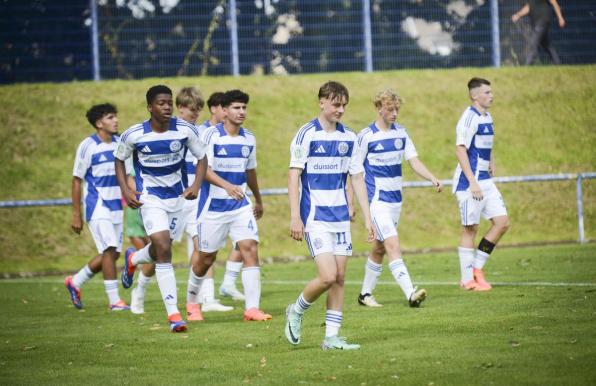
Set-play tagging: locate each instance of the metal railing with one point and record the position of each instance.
(578, 177)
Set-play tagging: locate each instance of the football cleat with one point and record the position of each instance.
(75, 293)
(193, 312)
(128, 272)
(338, 343)
(417, 297)
(482, 283)
(176, 323)
(231, 292)
(137, 301)
(293, 325)
(215, 305)
(469, 286)
(120, 305)
(256, 315)
(368, 300)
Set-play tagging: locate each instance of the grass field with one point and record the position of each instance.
(536, 327)
(544, 119)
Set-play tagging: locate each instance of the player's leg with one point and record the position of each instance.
(496, 211)
(400, 273)
(112, 237)
(335, 296)
(75, 282)
(470, 211)
(137, 296)
(372, 271)
(233, 268)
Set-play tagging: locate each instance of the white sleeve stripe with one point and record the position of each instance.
(128, 132)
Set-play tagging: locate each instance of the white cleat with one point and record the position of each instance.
(368, 300)
(231, 292)
(137, 301)
(215, 305)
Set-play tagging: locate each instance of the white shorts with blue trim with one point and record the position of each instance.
(492, 204)
(106, 234)
(385, 219)
(212, 234)
(337, 243)
(158, 220)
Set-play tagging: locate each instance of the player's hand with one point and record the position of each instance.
(190, 193)
(77, 224)
(372, 234)
(296, 229)
(476, 191)
(352, 213)
(561, 22)
(437, 184)
(257, 210)
(514, 17)
(131, 199)
(235, 192)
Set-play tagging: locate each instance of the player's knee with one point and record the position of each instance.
(328, 280)
(505, 225)
(340, 279)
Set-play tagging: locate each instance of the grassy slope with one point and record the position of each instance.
(514, 335)
(544, 120)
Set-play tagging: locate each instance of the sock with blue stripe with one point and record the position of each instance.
(332, 322)
(166, 280)
(402, 276)
(372, 271)
(301, 304)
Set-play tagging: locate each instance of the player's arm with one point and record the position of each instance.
(350, 197)
(464, 162)
(492, 166)
(130, 195)
(558, 12)
(521, 13)
(362, 197)
(423, 172)
(192, 191)
(296, 225)
(77, 219)
(253, 184)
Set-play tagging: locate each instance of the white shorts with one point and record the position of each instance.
(492, 205)
(157, 220)
(337, 243)
(212, 234)
(385, 219)
(189, 216)
(106, 234)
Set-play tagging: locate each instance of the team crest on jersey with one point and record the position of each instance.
(318, 243)
(175, 146)
(399, 143)
(245, 151)
(342, 148)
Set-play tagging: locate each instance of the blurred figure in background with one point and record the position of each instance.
(541, 13)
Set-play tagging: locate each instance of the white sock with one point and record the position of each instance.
(111, 287)
(301, 304)
(332, 323)
(466, 263)
(480, 259)
(166, 280)
(207, 291)
(233, 269)
(372, 271)
(142, 283)
(83, 276)
(194, 287)
(142, 256)
(251, 280)
(402, 276)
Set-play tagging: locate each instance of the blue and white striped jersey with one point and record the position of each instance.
(190, 160)
(229, 157)
(382, 154)
(474, 131)
(326, 159)
(158, 160)
(94, 164)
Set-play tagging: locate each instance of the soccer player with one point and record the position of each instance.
(94, 164)
(224, 209)
(157, 146)
(323, 153)
(384, 145)
(475, 190)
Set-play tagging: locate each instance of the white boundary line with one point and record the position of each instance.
(348, 282)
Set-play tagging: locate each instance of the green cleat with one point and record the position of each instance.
(338, 343)
(293, 325)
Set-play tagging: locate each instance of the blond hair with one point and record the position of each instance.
(190, 97)
(387, 96)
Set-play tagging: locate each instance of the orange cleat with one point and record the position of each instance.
(482, 283)
(469, 286)
(176, 323)
(193, 312)
(256, 314)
